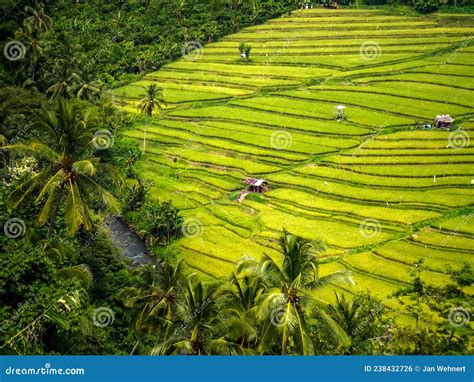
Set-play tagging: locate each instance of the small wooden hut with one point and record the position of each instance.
(443, 121)
(256, 185)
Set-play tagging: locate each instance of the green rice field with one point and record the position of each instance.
(380, 188)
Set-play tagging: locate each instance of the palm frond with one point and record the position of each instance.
(35, 148)
(74, 213)
(339, 277)
(81, 272)
(332, 328)
(86, 167)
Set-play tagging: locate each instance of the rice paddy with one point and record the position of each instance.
(379, 187)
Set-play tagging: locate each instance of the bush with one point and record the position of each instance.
(158, 223)
(426, 6)
(244, 50)
(376, 2)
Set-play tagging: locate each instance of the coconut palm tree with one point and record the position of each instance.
(70, 175)
(156, 297)
(85, 87)
(152, 99)
(241, 297)
(35, 47)
(289, 303)
(62, 78)
(203, 322)
(39, 22)
(345, 313)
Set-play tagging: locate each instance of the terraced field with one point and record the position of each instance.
(378, 188)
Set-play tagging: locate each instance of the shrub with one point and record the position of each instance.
(376, 2)
(157, 222)
(244, 50)
(426, 6)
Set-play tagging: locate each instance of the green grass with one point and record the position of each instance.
(416, 170)
(392, 270)
(203, 77)
(424, 81)
(316, 201)
(337, 174)
(169, 95)
(362, 96)
(338, 33)
(451, 197)
(461, 224)
(443, 240)
(322, 110)
(435, 259)
(273, 71)
(276, 120)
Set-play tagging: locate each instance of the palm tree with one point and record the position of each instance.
(345, 313)
(156, 297)
(241, 297)
(70, 175)
(62, 78)
(288, 306)
(152, 99)
(85, 87)
(34, 46)
(39, 22)
(34, 27)
(244, 293)
(202, 325)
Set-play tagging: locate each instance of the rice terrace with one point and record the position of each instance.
(375, 179)
(237, 177)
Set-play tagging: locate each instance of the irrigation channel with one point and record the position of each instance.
(129, 244)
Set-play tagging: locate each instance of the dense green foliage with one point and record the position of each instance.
(426, 6)
(111, 41)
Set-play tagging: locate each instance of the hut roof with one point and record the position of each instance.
(444, 118)
(254, 181)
